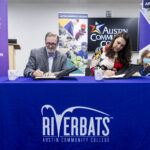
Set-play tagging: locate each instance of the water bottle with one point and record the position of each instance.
(98, 74)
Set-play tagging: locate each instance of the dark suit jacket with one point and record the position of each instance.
(39, 60)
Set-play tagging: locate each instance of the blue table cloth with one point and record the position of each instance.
(75, 113)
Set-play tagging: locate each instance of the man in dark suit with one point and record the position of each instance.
(46, 61)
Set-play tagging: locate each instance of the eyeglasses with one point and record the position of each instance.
(52, 44)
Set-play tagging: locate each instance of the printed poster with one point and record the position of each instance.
(73, 39)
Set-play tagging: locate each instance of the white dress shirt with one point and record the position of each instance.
(50, 61)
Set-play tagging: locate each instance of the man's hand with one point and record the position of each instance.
(48, 74)
(38, 73)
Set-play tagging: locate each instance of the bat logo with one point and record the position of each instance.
(59, 117)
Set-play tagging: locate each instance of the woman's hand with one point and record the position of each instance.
(108, 73)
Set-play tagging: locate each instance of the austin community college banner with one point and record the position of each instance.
(102, 30)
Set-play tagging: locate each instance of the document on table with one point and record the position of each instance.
(115, 76)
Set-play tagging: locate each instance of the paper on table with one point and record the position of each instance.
(45, 77)
(115, 76)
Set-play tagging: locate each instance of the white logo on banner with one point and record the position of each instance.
(75, 129)
(106, 35)
(147, 4)
(1, 54)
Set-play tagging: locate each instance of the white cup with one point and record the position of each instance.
(12, 74)
(98, 74)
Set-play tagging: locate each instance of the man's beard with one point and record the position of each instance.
(51, 50)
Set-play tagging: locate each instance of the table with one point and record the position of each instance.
(75, 113)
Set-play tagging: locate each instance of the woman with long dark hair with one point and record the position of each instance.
(115, 55)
